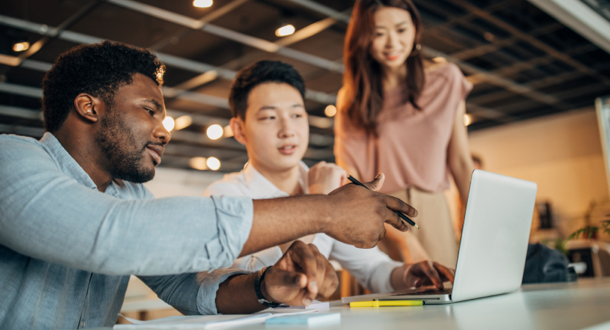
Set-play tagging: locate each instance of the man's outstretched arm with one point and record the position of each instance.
(350, 214)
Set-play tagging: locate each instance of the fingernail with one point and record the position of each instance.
(378, 174)
(306, 301)
(313, 286)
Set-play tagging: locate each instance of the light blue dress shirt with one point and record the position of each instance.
(66, 249)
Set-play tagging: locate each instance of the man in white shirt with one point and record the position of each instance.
(269, 118)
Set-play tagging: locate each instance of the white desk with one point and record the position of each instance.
(556, 306)
(542, 306)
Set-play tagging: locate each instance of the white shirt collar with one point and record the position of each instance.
(261, 187)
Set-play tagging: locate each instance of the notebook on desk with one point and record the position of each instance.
(494, 242)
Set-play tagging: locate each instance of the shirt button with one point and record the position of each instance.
(82, 324)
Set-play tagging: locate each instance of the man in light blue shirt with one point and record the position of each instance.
(75, 220)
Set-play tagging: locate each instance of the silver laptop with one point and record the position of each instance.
(494, 241)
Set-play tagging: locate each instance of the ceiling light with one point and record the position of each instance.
(285, 30)
(21, 46)
(320, 122)
(330, 111)
(203, 3)
(213, 163)
(467, 119)
(489, 36)
(214, 132)
(198, 163)
(183, 122)
(168, 123)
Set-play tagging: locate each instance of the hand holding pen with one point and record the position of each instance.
(400, 214)
(357, 216)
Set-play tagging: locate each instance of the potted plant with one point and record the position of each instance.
(591, 231)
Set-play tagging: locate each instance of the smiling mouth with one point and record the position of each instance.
(392, 57)
(288, 150)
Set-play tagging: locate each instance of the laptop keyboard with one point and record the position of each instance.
(422, 291)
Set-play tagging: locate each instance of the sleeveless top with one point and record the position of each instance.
(411, 149)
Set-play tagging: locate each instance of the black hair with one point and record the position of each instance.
(99, 70)
(259, 73)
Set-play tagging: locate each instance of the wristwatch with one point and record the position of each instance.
(259, 294)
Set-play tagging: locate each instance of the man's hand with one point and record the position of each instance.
(351, 214)
(325, 177)
(357, 214)
(300, 276)
(424, 273)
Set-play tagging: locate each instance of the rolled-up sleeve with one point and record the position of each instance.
(194, 293)
(209, 284)
(49, 215)
(259, 260)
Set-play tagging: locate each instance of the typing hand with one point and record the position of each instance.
(358, 214)
(325, 177)
(300, 276)
(423, 273)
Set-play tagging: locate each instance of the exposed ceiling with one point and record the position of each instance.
(523, 62)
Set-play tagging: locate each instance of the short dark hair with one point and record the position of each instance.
(99, 70)
(259, 73)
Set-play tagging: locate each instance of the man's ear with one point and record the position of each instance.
(237, 126)
(88, 107)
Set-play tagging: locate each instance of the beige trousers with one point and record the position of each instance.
(436, 233)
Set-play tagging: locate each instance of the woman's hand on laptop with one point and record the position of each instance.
(423, 273)
(300, 276)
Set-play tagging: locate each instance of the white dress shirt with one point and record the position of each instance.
(371, 267)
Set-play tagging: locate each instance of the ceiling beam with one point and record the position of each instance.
(178, 62)
(67, 23)
(205, 19)
(532, 40)
(541, 83)
(299, 35)
(498, 44)
(258, 43)
(494, 79)
(580, 18)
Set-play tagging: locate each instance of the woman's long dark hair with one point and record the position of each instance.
(362, 80)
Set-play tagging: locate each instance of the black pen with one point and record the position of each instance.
(400, 214)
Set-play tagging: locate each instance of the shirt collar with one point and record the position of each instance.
(64, 160)
(261, 186)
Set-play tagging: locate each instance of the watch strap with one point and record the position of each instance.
(259, 294)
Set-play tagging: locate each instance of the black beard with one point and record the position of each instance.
(114, 140)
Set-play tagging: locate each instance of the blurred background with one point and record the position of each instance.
(537, 67)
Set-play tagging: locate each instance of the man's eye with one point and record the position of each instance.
(150, 111)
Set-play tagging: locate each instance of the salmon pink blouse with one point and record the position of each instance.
(411, 148)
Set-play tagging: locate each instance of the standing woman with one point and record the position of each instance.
(404, 117)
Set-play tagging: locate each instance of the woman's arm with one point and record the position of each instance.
(458, 154)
